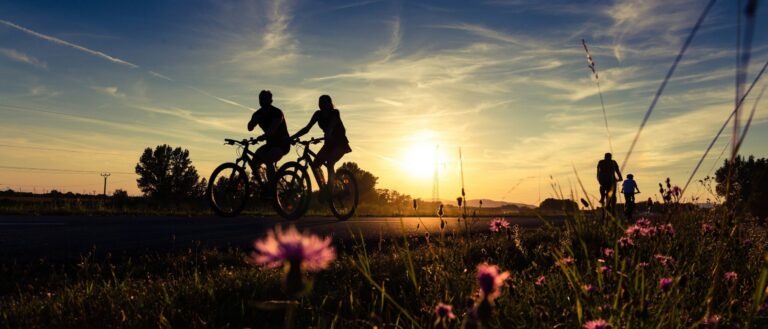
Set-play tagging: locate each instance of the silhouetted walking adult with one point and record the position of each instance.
(336, 143)
(271, 120)
(628, 188)
(607, 170)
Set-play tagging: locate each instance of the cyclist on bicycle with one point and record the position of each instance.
(607, 169)
(628, 188)
(271, 120)
(336, 143)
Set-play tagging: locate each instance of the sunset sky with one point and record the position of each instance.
(87, 85)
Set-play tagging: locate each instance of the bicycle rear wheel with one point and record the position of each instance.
(293, 191)
(228, 190)
(345, 196)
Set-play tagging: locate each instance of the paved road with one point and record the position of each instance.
(67, 237)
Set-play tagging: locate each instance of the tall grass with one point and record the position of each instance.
(399, 282)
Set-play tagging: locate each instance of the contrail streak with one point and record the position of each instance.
(69, 44)
(116, 61)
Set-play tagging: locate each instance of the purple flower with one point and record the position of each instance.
(676, 190)
(706, 228)
(597, 324)
(643, 221)
(668, 229)
(665, 283)
(490, 280)
(604, 269)
(633, 230)
(498, 223)
(588, 288)
(565, 261)
(540, 280)
(648, 231)
(625, 241)
(664, 260)
(444, 311)
(608, 252)
(290, 247)
(731, 276)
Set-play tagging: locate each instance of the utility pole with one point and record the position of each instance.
(105, 175)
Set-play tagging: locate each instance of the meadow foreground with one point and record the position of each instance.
(686, 268)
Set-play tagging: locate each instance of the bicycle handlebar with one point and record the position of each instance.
(244, 142)
(308, 142)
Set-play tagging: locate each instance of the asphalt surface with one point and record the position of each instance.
(63, 238)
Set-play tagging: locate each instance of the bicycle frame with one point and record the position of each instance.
(305, 161)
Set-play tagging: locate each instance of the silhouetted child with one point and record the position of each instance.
(628, 188)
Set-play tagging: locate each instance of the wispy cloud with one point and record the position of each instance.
(278, 47)
(23, 58)
(68, 44)
(110, 91)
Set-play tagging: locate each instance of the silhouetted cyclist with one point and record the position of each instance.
(271, 120)
(336, 143)
(607, 170)
(628, 188)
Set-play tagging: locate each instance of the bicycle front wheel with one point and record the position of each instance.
(345, 195)
(228, 190)
(293, 190)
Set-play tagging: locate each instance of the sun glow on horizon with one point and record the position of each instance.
(422, 155)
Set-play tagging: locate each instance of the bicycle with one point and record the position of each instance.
(293, 187)
(629, 205)
(229, 187)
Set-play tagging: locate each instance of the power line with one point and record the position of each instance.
(71, 171)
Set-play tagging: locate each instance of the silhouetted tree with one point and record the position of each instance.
(366, 182)
(557, 204)
(119, 198)
(167, 174)
(748, 187)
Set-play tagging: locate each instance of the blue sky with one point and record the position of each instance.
(88, 84)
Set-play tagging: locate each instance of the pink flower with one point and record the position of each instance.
(604, 269)
(490, 280)
(712, 320)
(626, 241)
(633, 230)
(540, 280)
(668, 229)
(706, 228)
(588, 288)
(444, 311)
(664, 260)
(643, 221)
(608, 252)
(665, 283)
(565, 261)
(498, 223)
(731, 276)
(597, 324)
(648, 231)
(676, 190)
(291, 247)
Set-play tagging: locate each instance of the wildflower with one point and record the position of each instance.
(604, 269)
(643, 221)
(676, 191)
(731, 276)
(444, 311)
(588, 288)
(608, 252)
(295, 252)
(648, 231)
(540, 280)
(490, 280)
(498, 223)
(665, 283)
(664, 260)
(712, 320)
(597, 324)
(626, 241)
(706, 228)
(565, 261)
(668, 229)
(291, 247)
(633, 230)
(643, 264)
